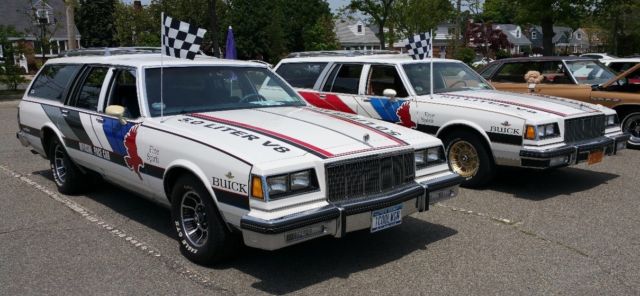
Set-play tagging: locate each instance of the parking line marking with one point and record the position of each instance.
(172, 264)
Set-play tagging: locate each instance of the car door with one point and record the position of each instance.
(377, 79)
(340, 89)
(79, 135)
(119, 136)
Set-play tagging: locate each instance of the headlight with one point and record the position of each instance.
(429, 156)
(612, 120)
(542, 132)
(292, 183)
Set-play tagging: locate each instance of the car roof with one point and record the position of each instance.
(381, 58)
(150, 60)
(544, 58)
(620, 60)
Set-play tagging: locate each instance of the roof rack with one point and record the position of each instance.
(340, 53)
(108, 51)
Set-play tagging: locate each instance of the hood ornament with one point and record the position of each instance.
(505, 123)
(229, 175)
(365, 137)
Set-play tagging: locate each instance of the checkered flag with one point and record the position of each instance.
(180, 39)
(419, 46)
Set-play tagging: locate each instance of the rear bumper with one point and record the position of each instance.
(338, 219)
(23, 140)
(574, 153)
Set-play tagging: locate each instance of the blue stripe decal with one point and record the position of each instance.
(115, 133)
(386, 108)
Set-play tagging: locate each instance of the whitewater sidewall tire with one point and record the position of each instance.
(201, 232)
(468, 156)
(68, 177)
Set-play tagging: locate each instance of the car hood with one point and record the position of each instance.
(272, 134)
(526, 106)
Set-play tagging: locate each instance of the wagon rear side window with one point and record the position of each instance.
(52, 81)
(303, 75)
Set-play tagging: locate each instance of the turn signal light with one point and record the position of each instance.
(530, 134)
(256, 187)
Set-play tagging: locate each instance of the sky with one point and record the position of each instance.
(335, 4)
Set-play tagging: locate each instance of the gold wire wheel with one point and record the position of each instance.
(464, 159)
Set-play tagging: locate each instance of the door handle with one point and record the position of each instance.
(366, 100)
(99, 120)
(64, 112)
(322, 96)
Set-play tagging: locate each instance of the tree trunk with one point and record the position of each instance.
(381, 34)
(547, 36)
(215, 46)
(71, 25)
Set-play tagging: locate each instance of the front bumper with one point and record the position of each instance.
(574, 153)
(337, 219)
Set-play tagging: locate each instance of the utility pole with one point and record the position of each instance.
(71, 24)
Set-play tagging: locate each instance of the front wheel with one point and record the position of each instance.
(631, 124)
(468, 157)
(202, 234)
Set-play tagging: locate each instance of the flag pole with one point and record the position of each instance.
(161, 67)
(431, 55)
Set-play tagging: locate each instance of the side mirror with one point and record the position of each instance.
(390, 93)
(117, 111)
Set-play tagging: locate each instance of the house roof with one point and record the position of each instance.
(346, 31)
(509, 30)
(561, 34)
(17, 13)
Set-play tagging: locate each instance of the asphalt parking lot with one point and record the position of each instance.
(573, 231)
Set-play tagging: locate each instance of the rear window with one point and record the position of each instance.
(52, 81)
(302, 75)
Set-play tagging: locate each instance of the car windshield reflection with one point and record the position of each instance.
(201, 89)
(447, 77)
(589, 72)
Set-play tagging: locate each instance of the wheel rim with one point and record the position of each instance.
(463, 158)
(193, 216)
(632, 125)
(59, 168)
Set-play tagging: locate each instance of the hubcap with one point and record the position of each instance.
(193, 216)
(463, 158)
(633, 125)
(59, 169)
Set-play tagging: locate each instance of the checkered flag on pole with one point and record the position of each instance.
(420, 46)
(180, 39)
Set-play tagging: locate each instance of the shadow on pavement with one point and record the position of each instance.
(297, 267)
(540, 185)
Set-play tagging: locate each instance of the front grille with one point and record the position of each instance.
(366, 176)
(583, 128)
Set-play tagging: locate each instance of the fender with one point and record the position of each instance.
(467, 123)
(57, 133)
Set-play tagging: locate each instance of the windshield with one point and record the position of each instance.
(589, 72)
(447, 77)
(212, 88)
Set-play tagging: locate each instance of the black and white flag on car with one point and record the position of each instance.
(419, 46)
(180, 39)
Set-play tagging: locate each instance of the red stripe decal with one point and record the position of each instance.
(331, 102)
(510, 103)
(388, 136)
(267, 132)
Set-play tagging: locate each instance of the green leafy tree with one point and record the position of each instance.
(547, 13)
(619, 19)
(417, 16)
(136, 27)
(499, 11)
(95, 21)
(466, 55)
(378, 10)
(321, 36)
(301, 17)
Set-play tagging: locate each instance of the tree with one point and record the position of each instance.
(301, 18)
(499, 11)
(416, 16)
(320, 36)
(378, 10)
(95, 21)
(136, 27)
(257, 29)
(547, 13)
(10, 74)
(619, 20)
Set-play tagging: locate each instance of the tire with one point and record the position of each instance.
(206, 240)
(468, 157)
(68, 177)
(631, 124)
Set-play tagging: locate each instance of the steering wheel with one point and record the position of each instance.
(458, 82)
(252, 98)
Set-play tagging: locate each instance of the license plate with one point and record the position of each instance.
(595, 157)
(385, 218)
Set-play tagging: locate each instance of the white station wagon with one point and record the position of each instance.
(480, 127)
(230, 147)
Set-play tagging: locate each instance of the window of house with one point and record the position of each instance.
(344, 79)
(123, 92)
(52, 81)
(89, 93)
(579, 36)
(534, 35)
(359, 28)
(383, 77)
(518, 34)
(303, 75)
(43, 14)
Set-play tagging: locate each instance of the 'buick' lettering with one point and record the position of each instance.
(505, 130)
(227, 184)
